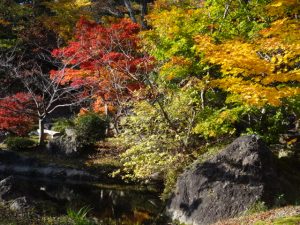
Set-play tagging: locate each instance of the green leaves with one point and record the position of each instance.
(216, 123)
(13, 20)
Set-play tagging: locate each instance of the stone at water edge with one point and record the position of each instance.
(19, 204)
(13, 195)
(66, 144)
(7, 190)
(226, 185)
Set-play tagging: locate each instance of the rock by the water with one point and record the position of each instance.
(8, 189)
(19, 204)
(226, 185)
(12, 195)
(67, 144)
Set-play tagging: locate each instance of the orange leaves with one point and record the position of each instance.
(68, 75)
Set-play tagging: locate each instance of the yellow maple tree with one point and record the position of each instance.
(261, 71)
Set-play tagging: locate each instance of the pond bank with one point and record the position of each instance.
(52, 198)
(13, 164)
(68, 183)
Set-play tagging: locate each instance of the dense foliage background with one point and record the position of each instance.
(187, 76)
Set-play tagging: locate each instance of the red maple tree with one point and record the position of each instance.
(16, 114)
(109, 56)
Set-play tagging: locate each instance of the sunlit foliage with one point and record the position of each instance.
(65, 14)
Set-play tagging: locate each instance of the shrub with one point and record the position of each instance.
(19, 143)
(90, 128)
(61, 124)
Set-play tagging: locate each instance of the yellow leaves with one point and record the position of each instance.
(292, 141)
(82, 3)
(283, 33)
(205, 44)
(259, 71)
(251, 93)
(276, 4)
(293, 76)
(175, 21)
(263, 71)
(235, 57)
(279, 8)
(177, 67)
(61, 5)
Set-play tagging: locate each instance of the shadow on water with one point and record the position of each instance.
(133, 204)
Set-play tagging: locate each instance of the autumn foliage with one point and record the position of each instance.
(16, 113)
(109, 56)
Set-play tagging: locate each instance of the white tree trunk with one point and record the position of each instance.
(41, 132)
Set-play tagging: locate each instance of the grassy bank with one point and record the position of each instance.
(289, 215)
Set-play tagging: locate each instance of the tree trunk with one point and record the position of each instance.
(130, 10)
(41, 132)
(143, 14)
(106, 117)
(202, 98)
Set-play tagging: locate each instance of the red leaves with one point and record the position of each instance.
(113, 57)
(97, 45)
(15, 113)
(109, 54)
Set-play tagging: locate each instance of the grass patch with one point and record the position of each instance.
(288, 215)
(292, 220)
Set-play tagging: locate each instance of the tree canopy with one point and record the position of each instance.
(172, 76)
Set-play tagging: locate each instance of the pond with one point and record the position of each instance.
(122, 203)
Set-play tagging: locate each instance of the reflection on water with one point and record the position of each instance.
(117, 202)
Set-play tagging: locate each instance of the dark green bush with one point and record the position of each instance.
(19, 143)
(90, 128)
(61, 124)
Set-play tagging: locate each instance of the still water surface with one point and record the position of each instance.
(134, 204)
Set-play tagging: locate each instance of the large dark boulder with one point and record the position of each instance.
(227, 184)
